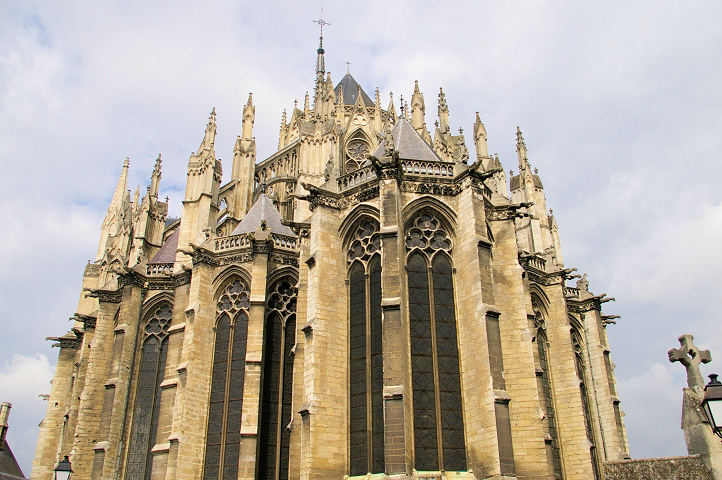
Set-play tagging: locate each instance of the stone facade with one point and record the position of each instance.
(367, 300)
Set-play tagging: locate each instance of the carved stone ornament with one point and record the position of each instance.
(584, 306)
(502, 213)
(202, 256)
(71, 339)
(110, 297)
(432, 188)
(284, 259)
(233, 259)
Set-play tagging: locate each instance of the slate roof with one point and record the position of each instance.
(9, 468)
(408, 143)
(263, 209)
(166, 254)
(350, 91)
(515, 182)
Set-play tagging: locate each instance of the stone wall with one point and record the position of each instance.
(665, 468)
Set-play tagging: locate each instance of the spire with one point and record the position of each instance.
(377, 98)
(210, 136)
(320, 64)
(249, 116)
(480, 138)
(155, 179)
(521, 151)
(121, 189)
(306, 110)
(443, 112)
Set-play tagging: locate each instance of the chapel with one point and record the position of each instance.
(375, 299)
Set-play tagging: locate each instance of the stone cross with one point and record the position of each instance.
(690, 356)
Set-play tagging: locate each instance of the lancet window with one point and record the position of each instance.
(579, 356)
(366, 353)
(223, 436)
(277, 388)
(544, 387)
(147, 399)
(438, 415)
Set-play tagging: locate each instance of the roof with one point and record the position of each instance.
(167, 253)
(350, 91)
(408, 143)
(9, 468)
(515, 182)
(263, 210)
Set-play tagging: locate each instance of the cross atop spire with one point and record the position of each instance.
(348, 66)
(321, 22)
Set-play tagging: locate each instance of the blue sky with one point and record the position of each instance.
(619, 103)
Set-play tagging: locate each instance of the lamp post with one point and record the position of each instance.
(712, 404)
(63, 469)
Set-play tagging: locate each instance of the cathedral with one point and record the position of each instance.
(369, 301)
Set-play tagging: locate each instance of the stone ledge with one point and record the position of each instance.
(688, 467)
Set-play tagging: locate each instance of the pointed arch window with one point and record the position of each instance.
(223, 436)
(438, 414)
(277, 388)
(366, 381)
(147, 399)
(579, 360)
(546, 397)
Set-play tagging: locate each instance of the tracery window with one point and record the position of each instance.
(277, 388)
(438, 415)
(366, 383)
(579, 355)
(356, 152)
(223, 437)
(546, 396)
(147, 399)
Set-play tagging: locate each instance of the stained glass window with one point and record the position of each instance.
(277, 388)
(147, 398)
(366, 435)
(438, 416)
(223, 438)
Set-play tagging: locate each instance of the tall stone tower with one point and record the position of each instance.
(366, 300)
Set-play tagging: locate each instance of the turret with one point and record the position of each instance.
(150, 221)
(418, 112)
(200, 206)
(482, 150)
(244, 162)
(113, 218)
(443, 113)
(249, 116)
(155, 179)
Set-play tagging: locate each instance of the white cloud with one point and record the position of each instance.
(619, 105)
(22, 379)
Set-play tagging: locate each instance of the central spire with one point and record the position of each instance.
(320, 64)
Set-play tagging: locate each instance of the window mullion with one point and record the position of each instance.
(435, 362)
(226, 392)
(369, 405)
(279, 410)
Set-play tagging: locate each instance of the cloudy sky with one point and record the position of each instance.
(620, 105)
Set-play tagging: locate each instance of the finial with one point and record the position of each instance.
(167, 199)
(126, 163)
(348, 66)
(295, 104)
(536, 171)
(401, 101)
(461, 131)
(436, 124)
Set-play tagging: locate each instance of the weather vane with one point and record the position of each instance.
(348, 67)
(321, 22)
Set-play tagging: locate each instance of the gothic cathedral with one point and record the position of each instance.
(367, 301)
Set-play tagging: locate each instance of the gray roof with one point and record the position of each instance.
(166, 254)
(9, 468)
(408, 143)
(350, 91)
(515, 182)
(262, 210)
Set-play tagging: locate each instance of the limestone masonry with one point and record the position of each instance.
(366, 300)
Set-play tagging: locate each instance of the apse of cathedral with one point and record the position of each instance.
(375, 298)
